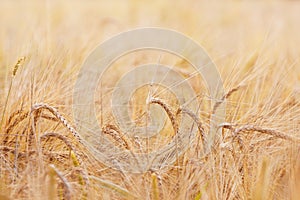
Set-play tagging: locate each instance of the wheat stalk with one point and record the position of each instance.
(16, 67)
(44, 116)
(67, 186)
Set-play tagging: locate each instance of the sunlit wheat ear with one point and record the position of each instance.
(18, 65)
(65, 183)
(117, 135)
(253, 128)
(168, 110)
(14, 72)
(40, 106)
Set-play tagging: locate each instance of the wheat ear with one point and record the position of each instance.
(16, 67)
(168, 110)
(117, 135)
(19, 119)
(76, 158)
(268, 131)
(226, 96)
(195, 118)
(39, 106)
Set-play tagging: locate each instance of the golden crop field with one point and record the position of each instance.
(46, 154)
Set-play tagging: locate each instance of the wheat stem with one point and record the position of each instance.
(67, 186)
(16, 67)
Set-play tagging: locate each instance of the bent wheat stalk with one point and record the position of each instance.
(268, 131)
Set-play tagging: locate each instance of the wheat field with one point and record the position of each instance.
(255, 46)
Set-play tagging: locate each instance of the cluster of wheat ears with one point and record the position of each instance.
(256, 156)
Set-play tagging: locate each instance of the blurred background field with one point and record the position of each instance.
(254, 44)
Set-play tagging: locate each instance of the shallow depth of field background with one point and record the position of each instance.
(254, 44)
